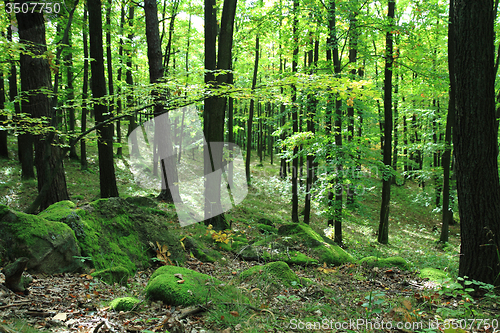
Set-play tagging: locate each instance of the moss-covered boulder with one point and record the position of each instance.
(124, 303)
(323, 248)
(51, 247)
(433, 274)
(181, 286)
(276, 273)
(267, 229)
(115, 232)
(385, 262)
(117, 274)
(200, 250)
(291, 257)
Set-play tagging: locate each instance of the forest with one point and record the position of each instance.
(253, 166)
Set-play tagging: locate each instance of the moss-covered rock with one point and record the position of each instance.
(266, 222)
(292, 257)
(51, 247)
(114, 232)
(188, 288)
(385, 262)
(274, 273)
(117, 274)
(433, 274)
(264, 228)
(200, 251)
(322, 247)
(124, 303)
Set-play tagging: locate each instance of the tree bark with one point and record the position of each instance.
(4, 151)
(107, 179)
(162, 137)
(251, 112)
(295, 122)
(24, 140)
(85, 91)
(383, 230)
(475, 139)
(35, 76)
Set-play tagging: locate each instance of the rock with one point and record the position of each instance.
(14, 279)
(142, 201)
(267, 229)
(385, 262)
(124, 303)
(194, 288)
(266, 222)
(276, 273)
(249, 253)
(118, 274)
(433, 274)
(322, 247)
(116, 233)
(51, 247)
(200, 251)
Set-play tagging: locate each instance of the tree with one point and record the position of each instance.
(107, 177)
(24, 139)
(475, 138)
(85, 90)
(251, 112)
(36, 82)
(383, 231)
(213, 114)
(4, 152)
(295, 122)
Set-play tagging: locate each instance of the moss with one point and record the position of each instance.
(196, 288)
(385, 262)
(293, 257)
(58, 211)
(200, 251)
(124, 303)
(300, 233)
(433, 274)
(118, 274)
(3, 210)
(264, 228)
(273, 272)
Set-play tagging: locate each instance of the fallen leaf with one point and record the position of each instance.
(60, 316)
(178, 275)
(235, 313)
(180, 281)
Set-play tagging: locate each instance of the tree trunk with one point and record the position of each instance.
(475, 139)
(4, 152)
(383, 230)
(214, 113)
(70, 96)
(35, 75)
(119, 106)
(250, 113)
(107, 179)
(162, 138)
(295, 122)
(85, 91)
(24, 140)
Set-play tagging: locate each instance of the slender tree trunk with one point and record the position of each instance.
(162, 138)
(70, 95)
(107, 179)
(24, 139)
(130, 83)
(383, 231)
(295, 121)
(85, 91)
(109, 63)
(475, 139)
(4, 151)
(396, 133)
(119, 150)
(35, 75)
(250, 114)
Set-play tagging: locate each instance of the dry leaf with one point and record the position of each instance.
(234, 313)
(407, 304)
(178, 275)
(180, 281)
(60, 316)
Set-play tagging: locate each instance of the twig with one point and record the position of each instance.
(96, 329)
(14, 304)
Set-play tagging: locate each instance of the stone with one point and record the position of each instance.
(14, 279)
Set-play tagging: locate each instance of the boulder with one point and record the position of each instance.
(385, 262)
(124, 303)
(116, 234)
(181, 286)
(276, 273)
(200, 251)
(322, 247)
(51, 247)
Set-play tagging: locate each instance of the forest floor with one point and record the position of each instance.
(348, 298)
